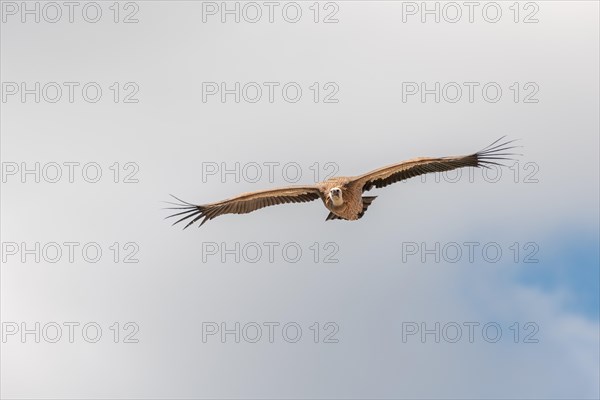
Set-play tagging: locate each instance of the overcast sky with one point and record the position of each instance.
(475, 285)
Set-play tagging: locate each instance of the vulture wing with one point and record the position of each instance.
(244, 203)
(491, 155)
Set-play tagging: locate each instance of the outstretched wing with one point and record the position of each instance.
(491, 155)
(244, 203)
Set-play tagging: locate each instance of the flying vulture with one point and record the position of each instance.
(342, 196)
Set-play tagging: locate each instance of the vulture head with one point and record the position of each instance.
(335, 194)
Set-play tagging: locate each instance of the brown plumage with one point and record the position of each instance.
(342, 195)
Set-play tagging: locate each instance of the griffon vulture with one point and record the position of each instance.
(342, 196)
